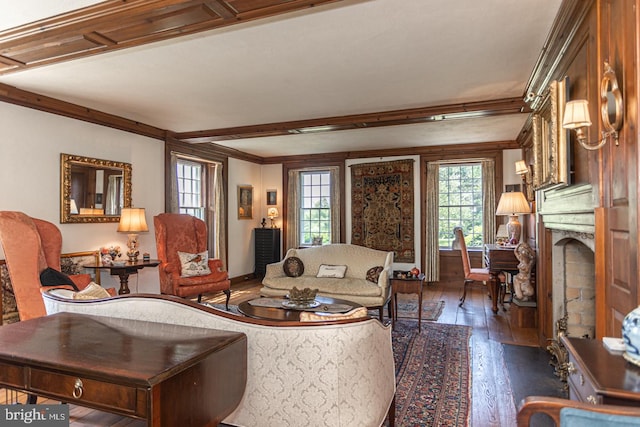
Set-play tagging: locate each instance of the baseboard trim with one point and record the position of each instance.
(242, 278)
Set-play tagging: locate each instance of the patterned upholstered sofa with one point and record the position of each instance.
(338, 373)
(353, 287)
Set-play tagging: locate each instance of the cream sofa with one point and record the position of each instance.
(337, 373)
(353, 287)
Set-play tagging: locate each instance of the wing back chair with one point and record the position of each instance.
(30, 246)
(187, 234)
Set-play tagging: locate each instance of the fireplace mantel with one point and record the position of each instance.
(568, 208)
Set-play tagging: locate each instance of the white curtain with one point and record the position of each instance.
(173, 174)
(216, 217)
(432, 257)
(488, 200)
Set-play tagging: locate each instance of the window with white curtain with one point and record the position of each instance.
(460, 203)
(315, 207)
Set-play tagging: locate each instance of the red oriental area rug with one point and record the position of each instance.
(382, 207)
(433, 378)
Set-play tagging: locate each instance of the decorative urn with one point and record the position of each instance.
(631, 336)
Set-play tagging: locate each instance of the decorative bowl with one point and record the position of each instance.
(305, 296)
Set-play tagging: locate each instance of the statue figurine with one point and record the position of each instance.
(264, 222)
(522, 282)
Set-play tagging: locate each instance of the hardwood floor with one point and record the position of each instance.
(492, 402)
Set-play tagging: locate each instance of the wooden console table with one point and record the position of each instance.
(599, 377)
(166, 374)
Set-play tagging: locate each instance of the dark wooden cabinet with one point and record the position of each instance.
(599, 377)
(267, 249)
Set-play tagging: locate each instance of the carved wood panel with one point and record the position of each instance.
(619, 167)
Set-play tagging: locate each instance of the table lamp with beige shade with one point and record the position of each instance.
(271, 214)
(132, 222)
(512, 204)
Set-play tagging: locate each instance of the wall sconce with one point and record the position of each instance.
(523, 170)
(132, 221)
(271, 214)
(576, 113)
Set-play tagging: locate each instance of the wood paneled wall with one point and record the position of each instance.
(585, 35)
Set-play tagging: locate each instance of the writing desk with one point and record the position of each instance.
(169, 375)
(497, 259)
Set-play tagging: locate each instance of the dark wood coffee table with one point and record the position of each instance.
(283, 314)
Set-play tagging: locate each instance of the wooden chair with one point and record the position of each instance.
(186, 233)
(470, 274)
(571, 413)
(30, 246)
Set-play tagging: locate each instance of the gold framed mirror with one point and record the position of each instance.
(93, 190)
(611, 105)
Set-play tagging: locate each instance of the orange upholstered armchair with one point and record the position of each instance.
(186, 234)
(30, 246)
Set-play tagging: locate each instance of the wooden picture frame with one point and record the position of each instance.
(550, 140)
(272, 197)
(245, 202)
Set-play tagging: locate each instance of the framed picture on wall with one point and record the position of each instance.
(551, 148)
(272, 197)
(245, 202)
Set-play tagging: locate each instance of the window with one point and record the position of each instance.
(190, 190)
(460, 203)
(315, 207)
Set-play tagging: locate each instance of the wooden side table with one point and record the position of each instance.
(124, 271)
(409, 285)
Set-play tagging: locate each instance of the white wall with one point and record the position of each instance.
(240, 231)
(416, 202)
(30, 148)
(509, 159)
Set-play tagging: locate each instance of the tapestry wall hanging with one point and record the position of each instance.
(382, 207)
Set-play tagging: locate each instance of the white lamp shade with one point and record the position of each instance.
(272, 213)
(512, 203)
(576, 114)
(132, 220)
(521, 167)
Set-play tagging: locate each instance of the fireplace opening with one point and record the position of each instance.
(579, 289)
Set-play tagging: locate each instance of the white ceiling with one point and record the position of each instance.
(349, 57)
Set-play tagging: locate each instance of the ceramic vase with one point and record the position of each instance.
(631, 336)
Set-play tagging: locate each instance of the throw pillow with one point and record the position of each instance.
(336, 271)
(373, 274)
(293, 266)
(92, 291)
(194, 264)
(52, 277)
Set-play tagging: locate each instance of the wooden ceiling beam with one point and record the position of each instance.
(13, 95)
(361, 121)
(119, 24)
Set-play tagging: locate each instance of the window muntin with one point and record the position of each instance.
(460, 203)
(315, 207)
(190, 188)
